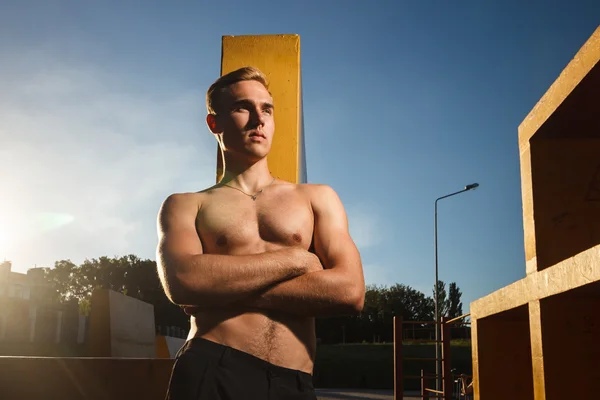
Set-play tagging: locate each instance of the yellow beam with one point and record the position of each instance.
(580, 67)
(577, 69)
(278, 56)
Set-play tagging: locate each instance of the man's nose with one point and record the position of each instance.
(258, 117)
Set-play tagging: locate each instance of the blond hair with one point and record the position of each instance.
(216, 90)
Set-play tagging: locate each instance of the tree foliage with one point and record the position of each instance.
(129, 275)
(454, 302)
(450, 304)
(443, 304)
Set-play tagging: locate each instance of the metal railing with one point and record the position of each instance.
(447, 378)
(463, 390)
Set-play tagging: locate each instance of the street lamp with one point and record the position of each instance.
(438, 363)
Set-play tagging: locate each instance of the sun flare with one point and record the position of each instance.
(8, 232)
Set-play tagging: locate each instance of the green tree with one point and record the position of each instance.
(443, 304)
(129, 275)
(454, 301)
(409, 303)
(450, 304)
(60, 278)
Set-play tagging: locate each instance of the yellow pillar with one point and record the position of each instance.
(537, 351)
(278, 56)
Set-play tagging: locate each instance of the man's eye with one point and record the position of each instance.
(268, 111)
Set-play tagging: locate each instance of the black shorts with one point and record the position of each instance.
(205, 370)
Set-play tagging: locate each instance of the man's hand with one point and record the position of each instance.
(304, 258)
(313, 263)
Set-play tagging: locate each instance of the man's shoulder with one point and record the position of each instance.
(182, 201)
(189, 197)
(318, 192)
(184, 197)
(316, 188)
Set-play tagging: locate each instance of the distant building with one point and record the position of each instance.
(27, 313)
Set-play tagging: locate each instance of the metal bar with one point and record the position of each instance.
(398, 376)
(421, 340)
(418, 376)
(457, 318)
(437, 295)
(424, 384)
(446, 362)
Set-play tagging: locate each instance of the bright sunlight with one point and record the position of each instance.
(4, 236)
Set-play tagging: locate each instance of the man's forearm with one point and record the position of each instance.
(219, 280)
(316, 294)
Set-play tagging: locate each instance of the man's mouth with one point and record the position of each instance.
(257, 134)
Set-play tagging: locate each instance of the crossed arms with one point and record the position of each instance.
(291, 280)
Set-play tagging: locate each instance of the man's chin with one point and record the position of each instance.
(255, 156)
(245, 156)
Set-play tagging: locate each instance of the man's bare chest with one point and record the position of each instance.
(235, 224)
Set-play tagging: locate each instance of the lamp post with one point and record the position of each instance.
(438, 362)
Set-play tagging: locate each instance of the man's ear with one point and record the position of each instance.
(213, 125)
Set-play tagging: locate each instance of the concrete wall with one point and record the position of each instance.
(121, 326)
(168, 346)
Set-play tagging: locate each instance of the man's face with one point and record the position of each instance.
(246, 119)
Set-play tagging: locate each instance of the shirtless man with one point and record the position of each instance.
(253, 260)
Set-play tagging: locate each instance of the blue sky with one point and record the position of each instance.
(102, 116)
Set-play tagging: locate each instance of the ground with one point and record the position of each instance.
(355, 394)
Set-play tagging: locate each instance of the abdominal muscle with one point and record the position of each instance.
(277, 338)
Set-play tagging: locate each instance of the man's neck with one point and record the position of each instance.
(249, 178)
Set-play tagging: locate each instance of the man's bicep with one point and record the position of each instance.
(333, 243)
(177, 235)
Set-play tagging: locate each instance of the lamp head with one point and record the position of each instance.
(472, 186)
